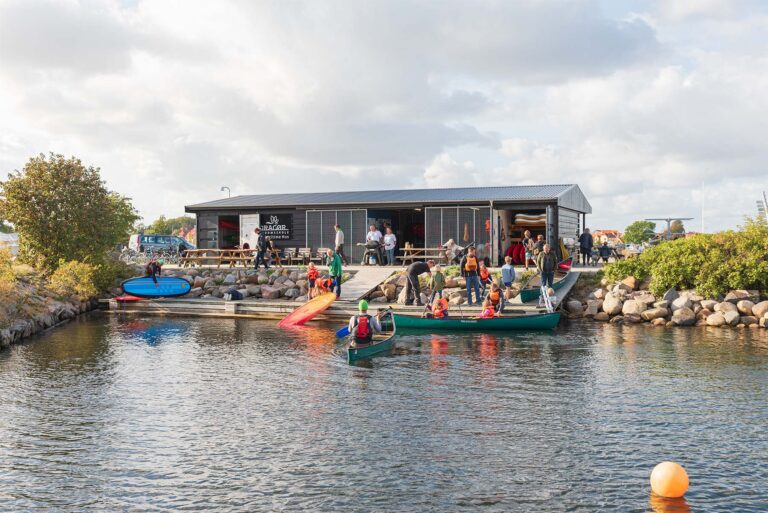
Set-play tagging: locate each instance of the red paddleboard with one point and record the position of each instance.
(127, 298)
(308, 311)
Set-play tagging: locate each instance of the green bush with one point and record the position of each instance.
(74, 278)
(6, 265)
(110, 273)
(712, 264)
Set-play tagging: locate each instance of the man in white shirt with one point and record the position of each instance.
(339, 243)
(372, 236)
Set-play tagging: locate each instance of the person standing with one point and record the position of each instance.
(437, 284)
(412, 286)
(373, 237)
(507, 276)
(261, 250)
(334, 271)
(469, 267)
(339, 243)
(546, 263)
(585, 246)
(528, 244)
(390, 245)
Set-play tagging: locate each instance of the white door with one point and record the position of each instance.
(248, 223)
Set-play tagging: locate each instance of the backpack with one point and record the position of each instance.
(363, 330)
(471, 264)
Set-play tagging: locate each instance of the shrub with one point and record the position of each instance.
(6, 265)
(74, 278)
(110, 272)
(630, 267)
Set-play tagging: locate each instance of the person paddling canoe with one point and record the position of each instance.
(362, 326)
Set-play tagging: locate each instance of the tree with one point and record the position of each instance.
(639, 232)
(162, 225)
(676, 226)
(63, 211)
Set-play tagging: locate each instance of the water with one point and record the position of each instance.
(156, 414)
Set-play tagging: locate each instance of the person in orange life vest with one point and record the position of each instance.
(362, 326)
(485, 277)
(440, 309)
(496, 297)
(323, 285)
(312, 275)
(469, 266)
(488, 310)
(153, 270)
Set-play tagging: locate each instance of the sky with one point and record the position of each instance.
(655, 109)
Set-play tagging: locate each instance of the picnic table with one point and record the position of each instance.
(234, 256)
(410, 255)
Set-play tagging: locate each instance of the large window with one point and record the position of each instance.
(320, 232)
(462, 224)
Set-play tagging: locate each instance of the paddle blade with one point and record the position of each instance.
(343, 332)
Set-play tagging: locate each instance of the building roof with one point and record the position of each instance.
(567, 195)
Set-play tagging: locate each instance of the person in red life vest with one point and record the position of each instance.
(324, 285)
(440, 309)
(488, 310)
(496, 297)
(153, 270)
(312, 275)
(485, 278)
(362, 326)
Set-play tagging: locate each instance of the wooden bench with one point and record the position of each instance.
(303, 256)
(410, 254)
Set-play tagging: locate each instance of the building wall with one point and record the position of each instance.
(208, 226)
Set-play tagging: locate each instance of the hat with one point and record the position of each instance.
(363, 305)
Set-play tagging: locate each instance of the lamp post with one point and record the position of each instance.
(229, 192)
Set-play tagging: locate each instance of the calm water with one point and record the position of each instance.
(222, 415)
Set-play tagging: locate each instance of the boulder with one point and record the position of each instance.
(703, 313)
(645, 298)
(251, 279)
(749, 320)
(292, 292)
(735, 296)
(600, 293)
(660, 321)
(574, 307)
(294, 276)
(621, 287)
(302, 283)
(670, 295)
(270, 292)
(763, 322)
(217, 292)
(745, 307)
(451, 283)
(716, 319)
(760, 309)
(375, 294)
(680, 302)
(645, 284)
(661, 304)
(280, 279)
(198, 282)
(458, 293)
(263, 279)
(726, 306)
(389, 290)
(301, 299)
(683, 317)
(631, 282)
(401, 296)
(612, 305)
(709, 304)
(593, 307)
(457, 300)
(244, 292)
(654, 313)
(619, 319)
(423, 298)
(632, 319)
(601, 316)
(196, 292)
(289, 283)
(230, 279)
(633, 307)
(731, 317)
(378, 300)
(254, 290)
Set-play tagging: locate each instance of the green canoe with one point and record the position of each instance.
(381, 342)
(545, 321)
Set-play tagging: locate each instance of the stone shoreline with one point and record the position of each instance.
(630, 302)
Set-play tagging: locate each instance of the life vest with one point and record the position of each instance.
(489, 312)
(484, 274)
(363, 329)
(439, 308)
(495, 297)
(312, 274)
(325, 283)
(471, 264)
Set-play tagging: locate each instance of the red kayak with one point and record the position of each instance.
(308, 311)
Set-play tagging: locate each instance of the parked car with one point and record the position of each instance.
(154, 242)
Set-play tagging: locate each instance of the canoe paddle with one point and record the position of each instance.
(343, 332)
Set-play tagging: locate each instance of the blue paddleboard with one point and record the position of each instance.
(167, 286)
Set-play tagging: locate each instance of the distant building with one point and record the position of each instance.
(10, 241)
(610, 236)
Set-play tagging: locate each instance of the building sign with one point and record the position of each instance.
(277, 226)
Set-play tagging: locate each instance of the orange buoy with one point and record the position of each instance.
(669, 479)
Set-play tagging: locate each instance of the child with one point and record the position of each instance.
(323, 285)
(437, 283)
(496, 297)
(507, 276)
(488, 310)
(312, 275)
(485, 278)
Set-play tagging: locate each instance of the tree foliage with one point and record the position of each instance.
(63, 211)
(164, 226)
(712, 264)
(639, 232)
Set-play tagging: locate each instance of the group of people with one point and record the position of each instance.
(587, 251)
(382, 244)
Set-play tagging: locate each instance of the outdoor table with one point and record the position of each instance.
(196, 257)
(410, 255)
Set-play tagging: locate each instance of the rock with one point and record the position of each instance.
(760, 309)
(229, 279)
(645, 284)
(301, 299)
(601, 316)
(631, 282)
(749, 320)
(270, 292)
(646, 298)
(621, 286)
(451, 283)
(670, 324)
(654, 313)
(217, 293)
(381, 299)
(660, 321)
(731, 317)
(670, 295)
(632, 319)
(292, 292)
(244, 292)
(458, 293)
(294, 276)
(604, 282)
(745, 307)
(680, 302)
(376, 294)
(401, 296)
(196, 292)
(198, 282)
(263, 279)
(389, 290)
(289, 283)
(302, 283)
(661, 304)
(725, 306)
(252, 279)
(633, 307)
(612, 304)
(696, 308)
(279, 280)
(457, 300)
(254, 290)
(716, 319)
(617, 320)
(209, 284)
(593, 307)
(599, 294)
(709, 304)
(735, 296)
(683, 317)
(763, 322)
(424, 299)
(703, 313)
(574, 307)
